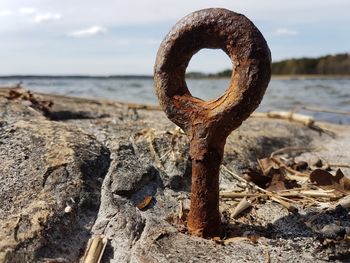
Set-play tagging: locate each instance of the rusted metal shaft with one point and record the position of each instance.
(204, 213)
(208, 123)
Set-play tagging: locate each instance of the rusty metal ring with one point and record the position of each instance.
(214, 28)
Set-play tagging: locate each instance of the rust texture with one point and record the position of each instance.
(208, 123)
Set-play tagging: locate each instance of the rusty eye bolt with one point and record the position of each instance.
(208, 123)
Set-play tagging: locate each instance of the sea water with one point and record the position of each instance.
(282, 94)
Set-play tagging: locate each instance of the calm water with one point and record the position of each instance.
(280, 95)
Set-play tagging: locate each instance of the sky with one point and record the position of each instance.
(104, 37)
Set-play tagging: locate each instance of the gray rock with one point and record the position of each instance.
(45, 167)
(123, 182)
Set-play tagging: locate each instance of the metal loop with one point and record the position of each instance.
(219, 29)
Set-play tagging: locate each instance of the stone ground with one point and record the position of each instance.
(80, 167)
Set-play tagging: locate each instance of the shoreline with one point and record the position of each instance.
(4, 91)
(278, 77)
(287, 115)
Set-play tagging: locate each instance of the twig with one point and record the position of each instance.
(285, 115)
(310, 193)
(255, 186)
(242, 205)
(165, 154)
(181, 210)
(339, 165)
(267, 257)
(239, 195)
(318, 109)
(289, 206)
(150, 138)
(291, 149)
(95, 249)
(236, 176)
(344, 202)
(137, 106)
(284, 193)
(291, 170)
(16, 227)
(294, 117)
(234, 240)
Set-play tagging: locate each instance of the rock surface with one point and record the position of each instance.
(101, 159)
(46, 167)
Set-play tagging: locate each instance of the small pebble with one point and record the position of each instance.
(68, 209)
(347, 230)
(333, 231)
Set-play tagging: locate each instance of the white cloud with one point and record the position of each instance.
(47, 17)
(27, 10)
(5, 12)
(285, 32)
(95, 30)
(135, 22)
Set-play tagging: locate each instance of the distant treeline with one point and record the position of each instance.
(327, 65)
(221, 74)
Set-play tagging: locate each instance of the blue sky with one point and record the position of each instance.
(122, 37)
